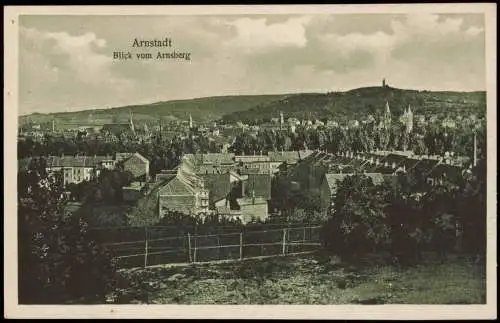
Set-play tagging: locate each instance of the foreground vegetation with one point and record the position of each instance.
(56, 250)
(313, 279)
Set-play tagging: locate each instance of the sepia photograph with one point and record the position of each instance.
(251, 155)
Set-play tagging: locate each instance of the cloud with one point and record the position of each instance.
(78, 54)
(60, 70)
(474, 31)
(257, 34)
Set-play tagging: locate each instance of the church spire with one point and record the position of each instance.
(387, 114)
(131, 122)
(409, 119)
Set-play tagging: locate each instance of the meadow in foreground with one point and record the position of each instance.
(308, 280)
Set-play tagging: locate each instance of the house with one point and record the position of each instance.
(248, 201)
(136, 164)
(77, 169)
(185, 193)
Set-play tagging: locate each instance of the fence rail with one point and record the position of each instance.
(194, 248)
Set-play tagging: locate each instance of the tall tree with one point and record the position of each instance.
(59, 259)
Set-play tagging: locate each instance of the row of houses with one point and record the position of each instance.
(320, 173)
(218, 163)
(76, 169)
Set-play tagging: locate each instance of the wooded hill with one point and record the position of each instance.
(257, 108)
(201, 109)
(363, 101)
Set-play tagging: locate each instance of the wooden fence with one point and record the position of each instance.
(194, 248)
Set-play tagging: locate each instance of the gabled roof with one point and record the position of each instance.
(126, 156)
(176, 187)
(141, 157)
(334, 179)
(76, 161)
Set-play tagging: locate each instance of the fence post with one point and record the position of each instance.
(218, 245)
(241, 245)
(146, 248)
(189, 247)
(304, 239)
(284, 242)
(195, 243)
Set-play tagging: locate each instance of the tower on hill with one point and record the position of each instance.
(384, 84)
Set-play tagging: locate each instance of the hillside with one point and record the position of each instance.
(201, 109)
(339, 105)
(362, 101)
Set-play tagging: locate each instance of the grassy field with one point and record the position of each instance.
(309, 280)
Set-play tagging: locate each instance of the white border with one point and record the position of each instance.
(388, 312)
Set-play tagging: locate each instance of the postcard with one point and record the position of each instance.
(284, 161)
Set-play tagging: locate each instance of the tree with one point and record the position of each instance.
(59, 259)
(358, 224)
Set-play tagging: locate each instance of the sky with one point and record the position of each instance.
(66, 62)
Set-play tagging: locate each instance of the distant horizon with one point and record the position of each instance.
(235, 95)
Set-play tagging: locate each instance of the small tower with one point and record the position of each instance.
(282, 121)
(190, 121)
(131, 122)
(384, 84)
